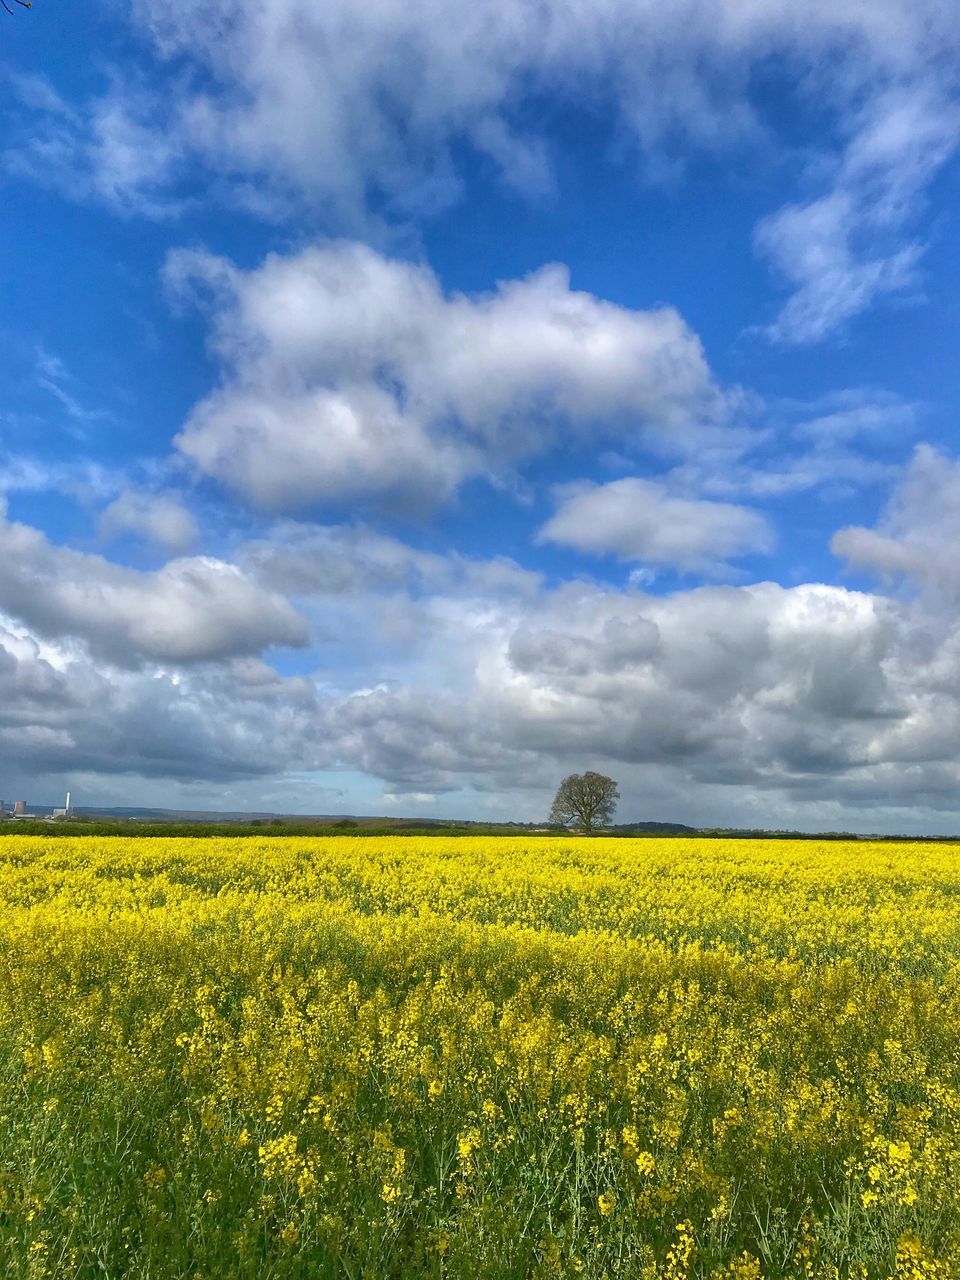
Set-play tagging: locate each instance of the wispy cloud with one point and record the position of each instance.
(823, 445)
(336, 111)
(109, 151)
(54, 377)
(843, 250)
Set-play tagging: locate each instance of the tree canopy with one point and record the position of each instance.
(586, 800)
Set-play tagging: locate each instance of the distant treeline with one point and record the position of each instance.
(266, 827)
(273, 827)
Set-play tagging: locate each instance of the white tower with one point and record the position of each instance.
(66, 807)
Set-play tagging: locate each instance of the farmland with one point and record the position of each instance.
(478, 1058)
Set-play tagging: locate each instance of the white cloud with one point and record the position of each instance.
(811, 695)
(813, 705)
(829, 444)
(345, 109)
(813, 700)
(416, 798)
(63, 712)
(111, 151)
(330, 561)
(191, 610)
(156, 517)
(335, 100)
(857, 413)
(348, 375)
(919, 533)
(336, 560)
(54, 377)
(843, 250)
(745, 679)
(639, 520)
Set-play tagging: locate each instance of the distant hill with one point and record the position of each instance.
(127, 819)
(212, 820)
(214, 815)
(266, 816)
(653, 829)
(134, 813)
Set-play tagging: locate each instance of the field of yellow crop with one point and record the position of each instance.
(478, 1058)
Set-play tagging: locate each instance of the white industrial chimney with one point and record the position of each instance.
(67, 805)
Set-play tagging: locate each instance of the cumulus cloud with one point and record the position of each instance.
(450, 678)
(731, 663)
(156, 517)
(812, 696)
(816, 695)
(639, 520)
(353, 561)
(191, 610)
(919, 532)
(60, 710)
(348, 375)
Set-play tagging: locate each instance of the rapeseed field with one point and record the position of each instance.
(478, 1058)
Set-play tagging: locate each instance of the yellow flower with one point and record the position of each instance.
(360, 1012)
(468, 1142)
(606, 1203)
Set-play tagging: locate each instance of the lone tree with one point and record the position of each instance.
(585, 799)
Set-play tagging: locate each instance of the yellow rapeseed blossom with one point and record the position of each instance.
(645, 1162)
(606, 1203)
(290, 1233)
(523, 1056)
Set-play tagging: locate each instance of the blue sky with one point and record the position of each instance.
(402, 408)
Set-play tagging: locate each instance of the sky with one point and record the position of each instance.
(406, 405)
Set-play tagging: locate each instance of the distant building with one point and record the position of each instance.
(65, 811)
(19, 807)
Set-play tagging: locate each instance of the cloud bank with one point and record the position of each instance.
(444, 676)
